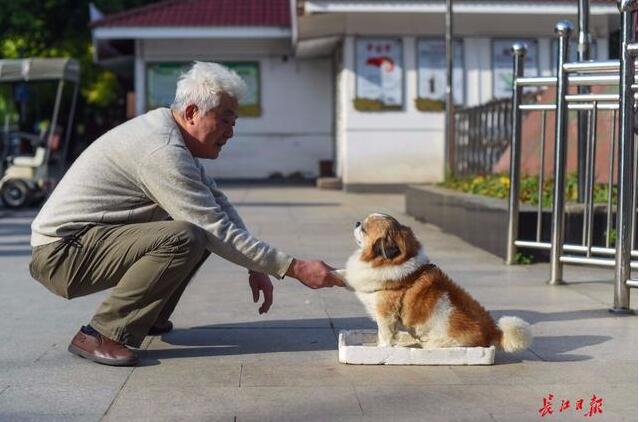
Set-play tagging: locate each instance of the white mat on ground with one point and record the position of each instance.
(359, 347)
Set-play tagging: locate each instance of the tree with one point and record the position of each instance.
(60, 28)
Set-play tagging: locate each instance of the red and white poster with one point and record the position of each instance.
(379, 70)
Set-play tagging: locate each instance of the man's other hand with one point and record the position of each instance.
(314, 274)
(261, 281)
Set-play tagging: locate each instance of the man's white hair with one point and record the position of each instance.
(203, 84)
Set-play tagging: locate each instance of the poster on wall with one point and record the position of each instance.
(379, 71)
(250, 73)
(162, 81)
(503, 65)
(431, 78)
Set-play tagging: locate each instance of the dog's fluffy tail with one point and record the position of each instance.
(516, 335)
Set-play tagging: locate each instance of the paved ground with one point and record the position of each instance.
(225, 362)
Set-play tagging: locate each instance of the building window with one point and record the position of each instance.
(380, 74)
(503, 65)
(162, 80)
(431, 77)
(554, 46)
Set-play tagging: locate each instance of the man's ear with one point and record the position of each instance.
(190, 112)
(386, 248)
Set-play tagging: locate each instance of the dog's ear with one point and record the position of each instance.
(386, 247)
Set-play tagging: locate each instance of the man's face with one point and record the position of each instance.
(214, 128)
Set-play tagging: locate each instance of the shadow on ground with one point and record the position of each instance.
(533, 317)
(14, 229)
(287, 204)
(557, 348)
(283, 336)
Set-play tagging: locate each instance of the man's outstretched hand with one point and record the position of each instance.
(261, 281)
(314, 274)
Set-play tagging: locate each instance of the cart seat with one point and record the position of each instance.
(35, 160)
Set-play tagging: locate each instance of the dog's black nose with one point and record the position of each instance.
(358, 224)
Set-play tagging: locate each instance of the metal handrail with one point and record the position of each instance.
(623, 257)
(482, 134)
(593, 66)
(576, 80)
(592, 97)
(571, 106)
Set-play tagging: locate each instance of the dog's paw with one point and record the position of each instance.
(341, 274)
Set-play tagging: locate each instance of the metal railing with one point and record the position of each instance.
(482, 133)
(623, 257)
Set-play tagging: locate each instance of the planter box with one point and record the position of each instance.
(483, 221)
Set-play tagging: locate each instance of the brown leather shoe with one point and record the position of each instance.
(102, 350)
(160, 328)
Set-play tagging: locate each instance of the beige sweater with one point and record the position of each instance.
(141, 171)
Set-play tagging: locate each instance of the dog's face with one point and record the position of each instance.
(384, 241)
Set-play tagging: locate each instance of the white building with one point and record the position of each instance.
(359, 83)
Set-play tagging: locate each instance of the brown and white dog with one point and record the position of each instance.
(400, 288)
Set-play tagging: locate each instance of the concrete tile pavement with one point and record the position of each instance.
(225, 362)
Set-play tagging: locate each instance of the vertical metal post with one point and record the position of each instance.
(519, 55)
(450, 106)
(540, 186)
(563, 29)
(625, 165)
(43, 172)
(611, 166)
(70, 122)
(583, 54)
(591, 153)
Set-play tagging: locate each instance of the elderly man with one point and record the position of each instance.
(136, 212)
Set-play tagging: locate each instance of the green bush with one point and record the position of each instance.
(498, 186)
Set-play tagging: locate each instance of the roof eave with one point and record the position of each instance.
(189, 32)
(513, 7)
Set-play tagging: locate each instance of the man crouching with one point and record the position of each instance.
(137, 213)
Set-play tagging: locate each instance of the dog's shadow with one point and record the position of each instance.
(558, 348)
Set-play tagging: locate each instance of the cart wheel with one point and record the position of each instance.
(15, 193)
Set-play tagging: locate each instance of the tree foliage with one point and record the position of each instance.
(60, 28)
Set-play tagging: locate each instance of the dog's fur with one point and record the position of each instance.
(400, 288)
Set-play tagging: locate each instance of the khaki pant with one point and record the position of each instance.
(148, 265)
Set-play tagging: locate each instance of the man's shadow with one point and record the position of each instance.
(311, 335)
(255, 337)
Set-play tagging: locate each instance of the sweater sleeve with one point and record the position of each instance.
(170, 177)
(221, 198)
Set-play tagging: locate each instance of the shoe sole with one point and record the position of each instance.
(158, 333)
(111, 362)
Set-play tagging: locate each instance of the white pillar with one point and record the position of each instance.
(410, 72)
(344, 102)
(479, 72)
(602, 49)
(545, 63)
(485, 51)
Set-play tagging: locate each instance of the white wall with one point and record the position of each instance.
(390, 147)
(294, 131)
(407, 146)
(479, 74)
